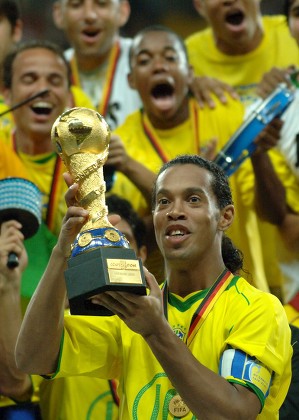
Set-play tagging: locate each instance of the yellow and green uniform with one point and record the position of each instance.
(221, 123)
(244, 71)
(243, 318)
(77, 398)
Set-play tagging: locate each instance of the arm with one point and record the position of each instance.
(289, 230)
(13, 383)
(192, 380)
(270, 197)
(204, 87)
(137, 173)
(38, 344)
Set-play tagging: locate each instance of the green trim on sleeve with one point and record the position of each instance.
(254, 388)
(53, 375)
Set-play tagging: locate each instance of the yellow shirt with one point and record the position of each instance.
(243, 72)
(244, 231)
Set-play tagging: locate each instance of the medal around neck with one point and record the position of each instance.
(101, 259)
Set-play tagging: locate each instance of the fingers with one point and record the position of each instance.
(269, 137)
(10, 224)
(70, 195)
(271, 79)
(114, 219)
(204, 87)
(12, 240)
(209, 151)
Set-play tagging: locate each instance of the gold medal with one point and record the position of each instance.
(112, 235)
(177, 407)
(85, 239)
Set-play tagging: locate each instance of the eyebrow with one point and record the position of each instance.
(189, 190)
(146, 51)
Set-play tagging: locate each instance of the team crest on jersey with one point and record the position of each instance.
(180, 331)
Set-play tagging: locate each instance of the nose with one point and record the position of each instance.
(160, 64)
(176, 213)
(43, 85)
(89, 11)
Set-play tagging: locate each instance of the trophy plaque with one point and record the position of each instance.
(100, 259)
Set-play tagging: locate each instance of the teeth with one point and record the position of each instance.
(42, 105)
(176, 232)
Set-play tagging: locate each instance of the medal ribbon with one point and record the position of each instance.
(206, 305)
(109, 77)
(153, 137)
(54, 194)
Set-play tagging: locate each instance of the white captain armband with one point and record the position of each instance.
(236, 366)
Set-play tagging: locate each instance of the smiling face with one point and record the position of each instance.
(186, 216)
(294, 19)
(34, 70)
(91, 26)
(161, 74)
(236, 24)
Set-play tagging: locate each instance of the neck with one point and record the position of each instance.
(191, 279)
(242, 46)
(90, 62)
(163, 122)
(33, 144)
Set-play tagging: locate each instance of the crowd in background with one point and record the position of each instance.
(174, 80)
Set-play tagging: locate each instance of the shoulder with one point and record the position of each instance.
(274, 21)
(198, 37)
(131, 124)
(252, 298)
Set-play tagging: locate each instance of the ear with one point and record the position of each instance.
(190, 76)
(198, 4)
(7, 96)
(124, 12)
(57, 14)
(18, 31)
(131, 81)
(142, 253)
(226, 217)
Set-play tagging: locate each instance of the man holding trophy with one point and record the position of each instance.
(162, 345)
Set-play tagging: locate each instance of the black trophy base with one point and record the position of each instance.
(100, 270)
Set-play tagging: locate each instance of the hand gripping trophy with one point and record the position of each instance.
(100, 258)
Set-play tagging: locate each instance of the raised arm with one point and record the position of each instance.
(38, 344)
(13, 383)
(270, 201)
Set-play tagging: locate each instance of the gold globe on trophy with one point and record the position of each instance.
(100, 258)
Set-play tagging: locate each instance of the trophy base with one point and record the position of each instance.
(100, 270)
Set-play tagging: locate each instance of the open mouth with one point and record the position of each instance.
(176, 232)
(235, 18)
(91, 33)
(162, 90)
(42, 108)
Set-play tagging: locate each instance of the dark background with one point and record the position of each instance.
(179, 15)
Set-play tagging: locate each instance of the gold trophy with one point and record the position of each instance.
(100, 257)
